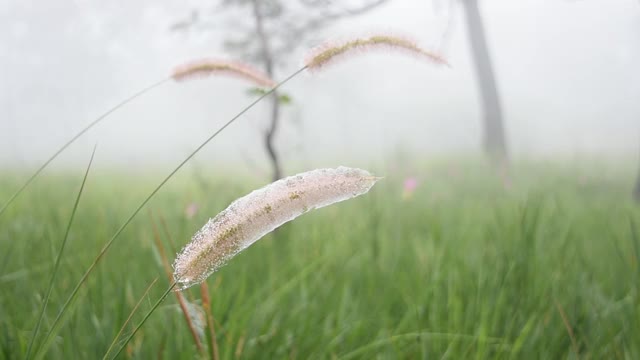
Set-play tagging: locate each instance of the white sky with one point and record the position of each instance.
(567, 72)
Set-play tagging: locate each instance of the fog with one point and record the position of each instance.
(566, 72)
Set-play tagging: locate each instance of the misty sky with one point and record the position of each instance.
(567, 72)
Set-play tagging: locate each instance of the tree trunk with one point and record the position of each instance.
(268, 139)
(494, 137)
(636, 189)
(267, 58)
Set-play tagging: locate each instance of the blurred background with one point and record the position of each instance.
(505, 226)
(560, 77)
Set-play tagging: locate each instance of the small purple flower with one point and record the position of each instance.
(410, 185)
(191, 210)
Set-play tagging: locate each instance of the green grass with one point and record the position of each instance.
(465, 268)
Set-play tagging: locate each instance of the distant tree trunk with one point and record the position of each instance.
(267, 58)
(636, 189)
(494, 137)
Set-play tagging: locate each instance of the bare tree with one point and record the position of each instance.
(267, 59)
(276, 29)
(494, 140)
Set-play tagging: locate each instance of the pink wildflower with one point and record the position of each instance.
(410, 185)
(191, 210)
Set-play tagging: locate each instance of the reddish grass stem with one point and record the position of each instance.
(106, 247)
(179, 296)
(206, 304)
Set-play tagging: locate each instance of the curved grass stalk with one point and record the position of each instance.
(56, 323)
(34, 334)
(106, 247)
(133, 311)
(75, 137)
(179, 296)
(155, 306)
(191, 70)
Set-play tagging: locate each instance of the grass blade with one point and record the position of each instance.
(73, 139)
(48, 340)
(206, 304)
(155, 306)
(635, 243)
(567, 325)
(133, 311)
(137, 210)
(59, 257)
(179, 295)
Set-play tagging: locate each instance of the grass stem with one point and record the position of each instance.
(74, 138)
(59, 257)
(106, 247)
(155, 306)
(133, 311)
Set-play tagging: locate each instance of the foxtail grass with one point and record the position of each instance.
(63, 310)
(330, 52)
(110, 242)
(251, 217)
(208, 67)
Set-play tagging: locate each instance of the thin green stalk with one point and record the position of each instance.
(59, 257)
(7, 256)
(137, 210)
(41, 351)
(144, 319)
(135, 308)
(73, 139)
(635, 243)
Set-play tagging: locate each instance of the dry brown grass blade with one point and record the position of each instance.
(206, 304)
(172, 248)
(160, 247)
(161, 348)
(239, 347)
(165, 228)
(179, 295)
(567, 325)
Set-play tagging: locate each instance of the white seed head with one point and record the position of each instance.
(251, 217)
(206, 67)
(330, 51)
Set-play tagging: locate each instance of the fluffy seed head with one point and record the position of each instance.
(329, 52)
(207, 67)
(251, 217)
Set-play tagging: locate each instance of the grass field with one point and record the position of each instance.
(543, 266)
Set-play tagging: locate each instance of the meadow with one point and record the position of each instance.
(469, 264)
